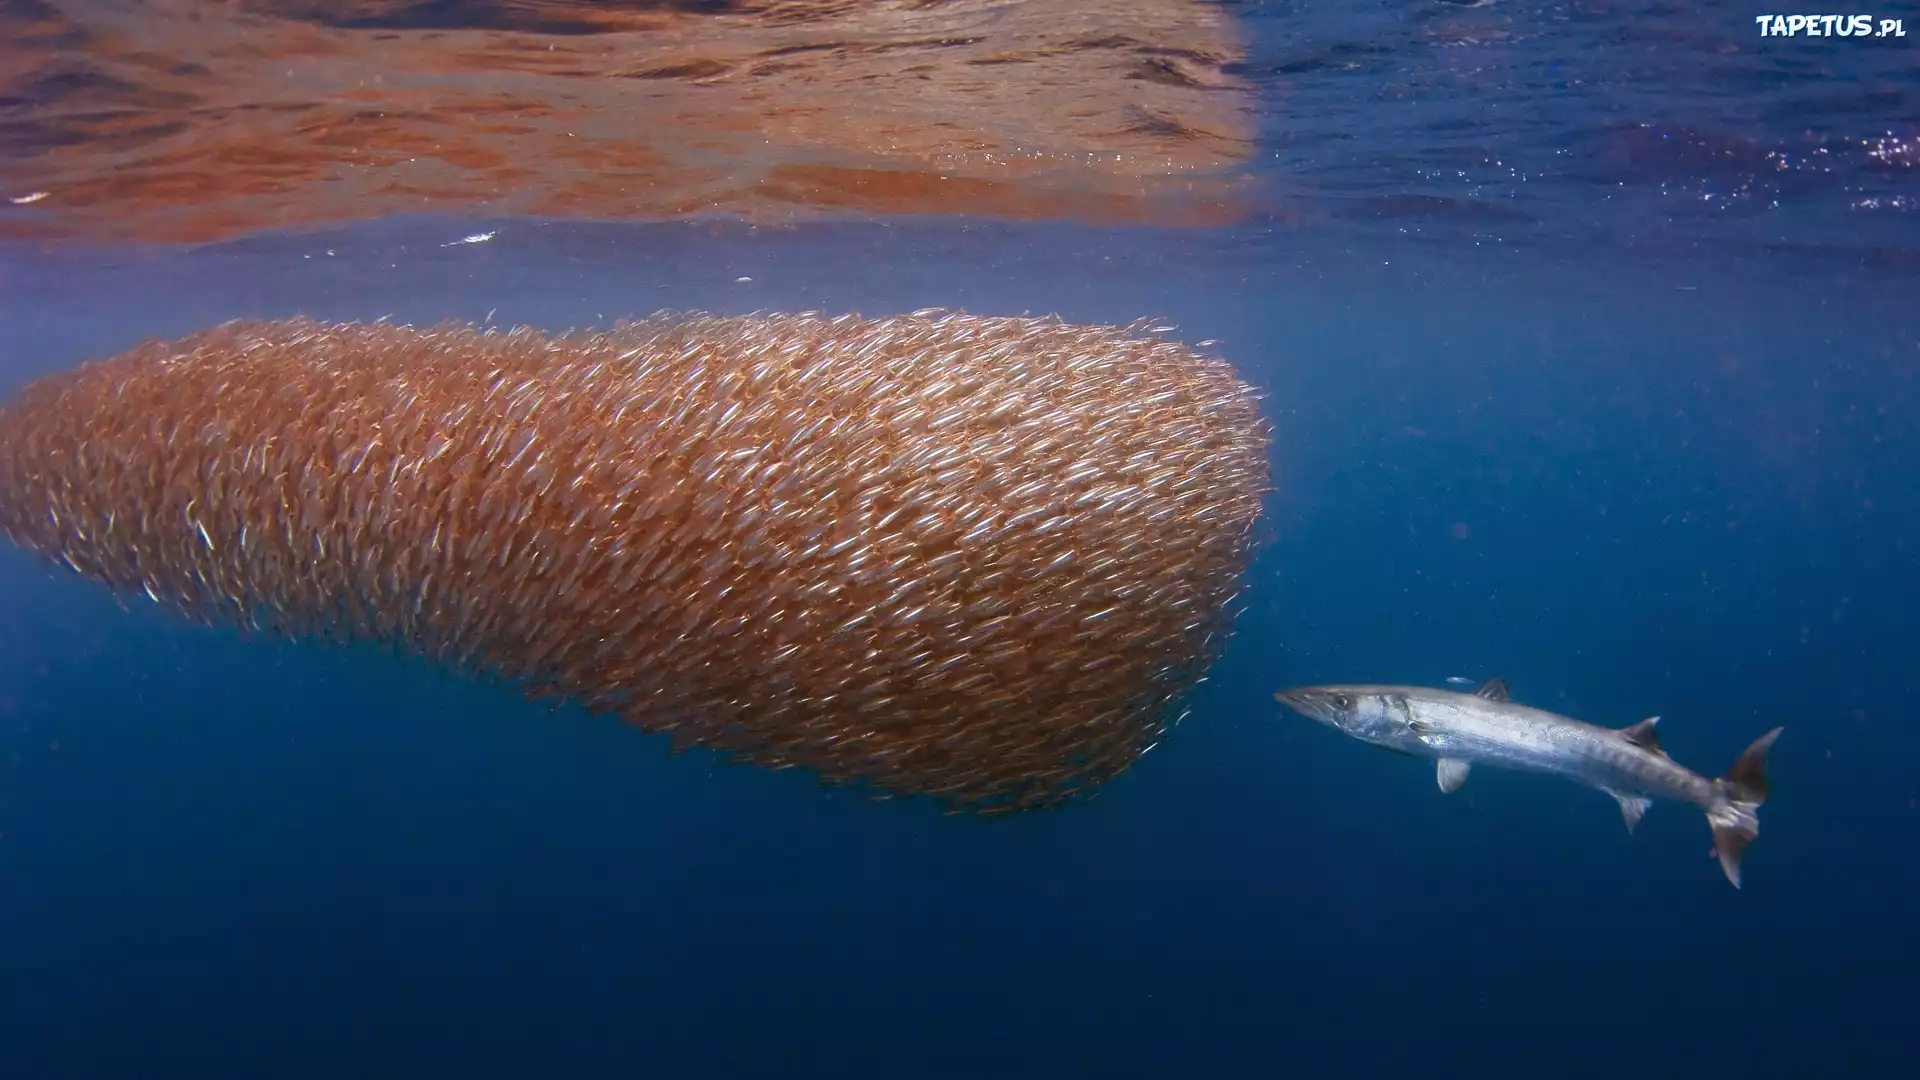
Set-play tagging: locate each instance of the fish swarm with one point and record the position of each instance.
(974, 558)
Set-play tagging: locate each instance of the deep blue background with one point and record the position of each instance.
(1687, 489)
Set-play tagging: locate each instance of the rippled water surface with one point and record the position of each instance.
(1637, 124)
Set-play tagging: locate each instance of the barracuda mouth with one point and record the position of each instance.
(1322, 705)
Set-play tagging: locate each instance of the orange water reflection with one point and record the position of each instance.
(194, 120)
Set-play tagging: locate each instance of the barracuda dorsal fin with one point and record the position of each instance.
(1643, 735)
(1451, 773)
(1632, 808)
(1493, 690)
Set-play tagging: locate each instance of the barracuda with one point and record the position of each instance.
(1462, 730)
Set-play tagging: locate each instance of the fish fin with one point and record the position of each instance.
(1735, 818)
(1493, 690)
(1643, 735)
(1451, 772)
(1398, 702)
(1746, 780)
(1729, 843)
(1632, 808)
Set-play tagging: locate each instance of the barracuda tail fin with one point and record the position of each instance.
(1735, 817)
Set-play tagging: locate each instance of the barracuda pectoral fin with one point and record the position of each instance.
(1451, 772)
(1493, 690)
(1632, 808)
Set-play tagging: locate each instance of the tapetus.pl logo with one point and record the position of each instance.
(1856, 26)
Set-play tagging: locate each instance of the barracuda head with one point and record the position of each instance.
(1368, 713)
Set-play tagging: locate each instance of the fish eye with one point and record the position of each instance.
(1343, 701)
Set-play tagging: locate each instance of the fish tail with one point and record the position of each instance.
(1734, 814)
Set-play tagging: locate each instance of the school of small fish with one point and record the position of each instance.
(980, 559)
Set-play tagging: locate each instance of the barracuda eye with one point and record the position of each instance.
(1343, 701)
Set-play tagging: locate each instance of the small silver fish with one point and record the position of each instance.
(1485, 727)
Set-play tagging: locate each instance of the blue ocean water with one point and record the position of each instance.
(1633, 461)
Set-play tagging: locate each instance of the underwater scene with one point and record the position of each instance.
(958, 538)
